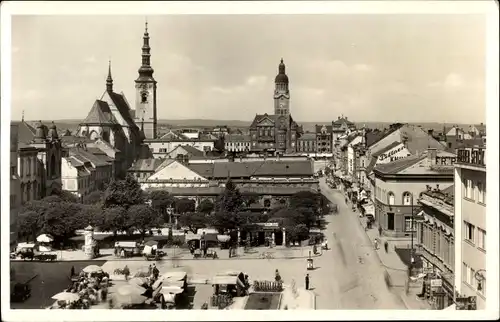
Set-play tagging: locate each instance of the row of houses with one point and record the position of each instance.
(419, 189)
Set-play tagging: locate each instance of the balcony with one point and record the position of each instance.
(471, 156)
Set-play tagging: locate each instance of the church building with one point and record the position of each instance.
(111, 118)
(276, 133)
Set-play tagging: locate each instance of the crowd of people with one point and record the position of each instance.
(92, 289)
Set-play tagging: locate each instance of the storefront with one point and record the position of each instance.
(266, 234)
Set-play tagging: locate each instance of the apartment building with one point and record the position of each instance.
(470, 225)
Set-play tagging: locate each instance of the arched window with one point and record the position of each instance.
(390, 198)
(407, 199)
(267, 203)
(144, 97)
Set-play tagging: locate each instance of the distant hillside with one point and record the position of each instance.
(201, 123)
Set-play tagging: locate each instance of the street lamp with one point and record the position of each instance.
(412, 234)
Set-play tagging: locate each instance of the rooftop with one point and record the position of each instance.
(445, 195)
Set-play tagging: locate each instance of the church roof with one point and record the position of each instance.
(25, 132)
(100, 113)
(259, 117)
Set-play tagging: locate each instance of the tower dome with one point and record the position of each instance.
(53, 131)
(40, 132)
(281, 77)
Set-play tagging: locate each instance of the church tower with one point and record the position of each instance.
(145, 92)
(281, 92)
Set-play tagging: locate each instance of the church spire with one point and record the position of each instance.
(146, 71)
(109, 80)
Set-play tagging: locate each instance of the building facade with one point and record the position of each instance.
(15, 186)
(324, 138)
(161, 147)
(278, 132)
(470, 224)
(307, 143)
(435, 243)
(237, 143)
(399, 183)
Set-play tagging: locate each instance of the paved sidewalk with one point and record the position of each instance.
(184, 254)
(396, 269)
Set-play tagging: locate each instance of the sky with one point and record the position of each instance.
(380, 68)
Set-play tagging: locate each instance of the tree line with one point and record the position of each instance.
(124, 207)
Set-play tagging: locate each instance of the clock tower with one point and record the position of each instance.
(145, 92)
(281, 92)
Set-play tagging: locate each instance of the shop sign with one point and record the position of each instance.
(269, 224)
(437, 282)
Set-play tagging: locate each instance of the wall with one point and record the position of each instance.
(413, 186)
(465, 251)
(167, 147)
(396, 153)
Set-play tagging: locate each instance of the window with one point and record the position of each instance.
(468, 189)
(469, 232)
(481, 238)
(144, 97)
(408, 224)
(390, 198)
(465, 272)
(471, 278)
(407, 199)
(480, 192)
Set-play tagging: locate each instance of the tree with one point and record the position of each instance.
(62, 220)
(92, 215)
(184, 205)
(115, 220)
(297, 233)
(306, 203)
(95, 197)
(123, 193)
(250, 198)
(230, 200)
(194, 220)
(143, 218)
(206, 206)
(161, 200)
(28, 225)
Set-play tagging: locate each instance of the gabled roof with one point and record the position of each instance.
(260, 117)
(72, 140)
(340, 121)
(373, 136)
(25, 132)
(387, 148)
(320, 127)
(75, 162)
(399, 165)
(100, 113)
(100, 153)
(83, 154)
(481, 128)
(205, 170)
(192, 151)
(171, 135)
(146, 165)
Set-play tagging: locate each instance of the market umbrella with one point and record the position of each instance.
(138, 281)
(92, 269)
(66, 296)
(130, 294)
(151, 243)
(44, 238)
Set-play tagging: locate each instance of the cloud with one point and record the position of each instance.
(33, 94)
(15, 49)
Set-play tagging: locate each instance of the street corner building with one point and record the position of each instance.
(399, 183)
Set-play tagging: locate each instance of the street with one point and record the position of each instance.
(351, 276)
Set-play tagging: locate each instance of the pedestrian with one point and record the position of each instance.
(72, 272)
(386, 246)
(156, 272)
(277, 277)
(307, 281)
(379, 231)
(150, 270)
(376, 243)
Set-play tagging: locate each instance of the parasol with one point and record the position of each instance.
(130, 294)
(66, 296)
(92, 269)
(151, 243)
(138, 281)
(44, 238)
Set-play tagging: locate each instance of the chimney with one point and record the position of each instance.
(437, 187)
(431, 155)
(430, 132)
(428, 187)
(338, 117)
